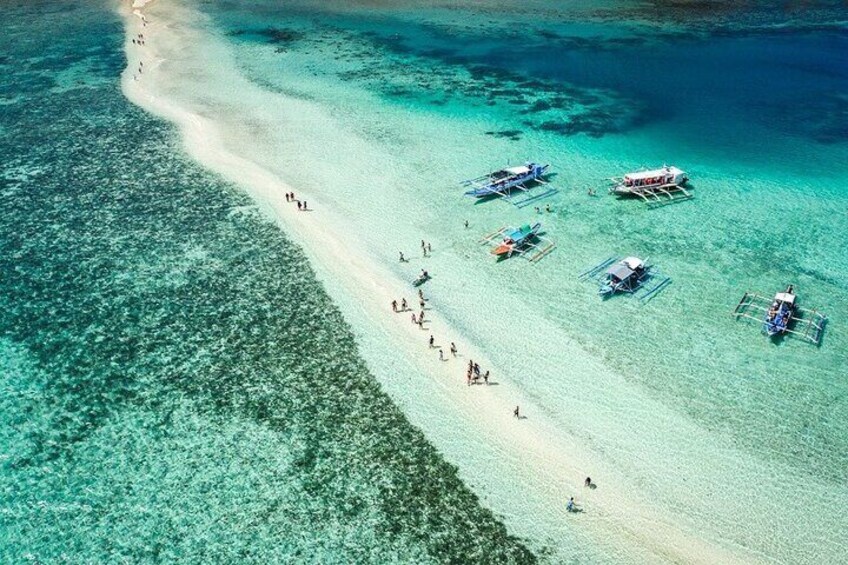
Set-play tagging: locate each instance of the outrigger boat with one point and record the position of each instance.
(631, 275)
(780, 313)
(516, 239)
(524, 239)
(656, 186)
(504, 181)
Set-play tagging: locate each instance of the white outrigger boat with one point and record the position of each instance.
(504, 181)
(655, 186)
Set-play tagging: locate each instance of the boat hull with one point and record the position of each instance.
(499, 187)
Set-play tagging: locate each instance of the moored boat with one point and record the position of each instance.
(781, 315)
(781, 312)
(502, 181)
(516, 239)
(625, 275)
(650, 181)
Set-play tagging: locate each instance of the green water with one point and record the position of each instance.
(176, 386)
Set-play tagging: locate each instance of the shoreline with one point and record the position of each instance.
(371, 287)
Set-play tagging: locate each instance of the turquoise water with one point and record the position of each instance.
(757, 115)
(176, 385)
(376, 111)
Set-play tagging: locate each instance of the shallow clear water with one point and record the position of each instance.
(378, 111)
(758, 119)
(176, 385)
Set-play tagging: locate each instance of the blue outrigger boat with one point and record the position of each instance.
(778, 314)
(503, 181)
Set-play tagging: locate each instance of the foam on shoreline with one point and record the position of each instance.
(545, 462)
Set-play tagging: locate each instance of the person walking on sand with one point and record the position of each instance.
(420, 294)
(441, 354)
(570, 505)
(421, 323)
(403, 304)
(486, 378)
(394, 305)
(587, 482)
(453, 349)
(515, 412)
(304, 205)
(432, 341)
(421, 303)
(414, 319)
(298, 205)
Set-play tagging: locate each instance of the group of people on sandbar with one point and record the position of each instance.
(300, 205)
(139, 40)
(403, 306)
(473, 374)
(426, 248)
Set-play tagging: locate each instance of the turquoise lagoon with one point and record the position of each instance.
(373, 112)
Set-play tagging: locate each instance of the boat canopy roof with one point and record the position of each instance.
(668, 170)
(522, 170)
(620, 271)
(633, 262)
(785, 297)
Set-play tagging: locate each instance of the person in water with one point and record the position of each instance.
(402, 258)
